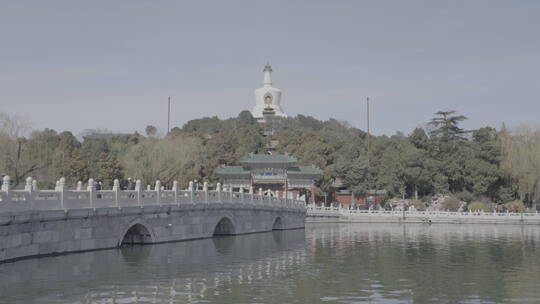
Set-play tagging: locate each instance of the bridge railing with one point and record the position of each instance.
(31, 198)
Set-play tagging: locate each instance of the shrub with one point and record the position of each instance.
(465, 196)
(478, 206)
(418, 205)
(451, 204)
(515, 206)
(46, 185)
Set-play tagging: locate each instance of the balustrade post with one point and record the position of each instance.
(79, 186)
(90, 188)
(231, 194)
(286, 199)
(28, 188)
(277, 196)
(6, 184)
(218, 190)
(34, 185)
(241, 194)
(175, 189)
(28, 184)
(205, 189)
(261, 194)
(116, 188)
(138, 188)
(190, 192)
(251, 194)
(61, 184)
(157, 188)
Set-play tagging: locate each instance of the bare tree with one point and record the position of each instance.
(172, 158)
(15, 154)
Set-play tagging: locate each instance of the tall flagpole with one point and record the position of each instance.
(169, 115)
(368, 141)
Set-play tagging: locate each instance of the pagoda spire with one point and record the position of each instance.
(267, 74)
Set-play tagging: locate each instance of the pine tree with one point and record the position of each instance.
(109, 169)
(446, 126)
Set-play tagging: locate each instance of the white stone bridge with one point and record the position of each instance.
(41, 222)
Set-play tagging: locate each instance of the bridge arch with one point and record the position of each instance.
(225, 226)
(137, 232)
(278, 224)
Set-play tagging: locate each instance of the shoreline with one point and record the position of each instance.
(317, 214)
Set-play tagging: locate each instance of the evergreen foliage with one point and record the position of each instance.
(442, 158)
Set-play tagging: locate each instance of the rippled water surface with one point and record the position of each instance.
(325, 263)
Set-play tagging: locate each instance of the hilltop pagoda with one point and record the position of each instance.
(267, 99)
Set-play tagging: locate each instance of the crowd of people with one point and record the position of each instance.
(128, 184)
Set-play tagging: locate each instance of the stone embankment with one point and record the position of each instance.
(338, 214)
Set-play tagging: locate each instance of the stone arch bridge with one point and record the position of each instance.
(42, 222)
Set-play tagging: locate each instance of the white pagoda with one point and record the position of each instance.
(267, 98)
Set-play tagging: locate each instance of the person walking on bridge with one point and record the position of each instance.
(130, 184)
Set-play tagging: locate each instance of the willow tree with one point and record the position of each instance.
(521, 161)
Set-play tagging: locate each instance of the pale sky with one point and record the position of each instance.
(75, 65)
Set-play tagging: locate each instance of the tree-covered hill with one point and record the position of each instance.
(440, 158)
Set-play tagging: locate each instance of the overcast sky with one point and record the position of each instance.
(75, 65)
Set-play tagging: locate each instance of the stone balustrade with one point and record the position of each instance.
(32, 199)
(352, 215)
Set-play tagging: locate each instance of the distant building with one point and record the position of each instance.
(344, 196)
(278, 172)
(267, 99)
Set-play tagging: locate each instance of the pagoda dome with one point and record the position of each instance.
(267, 97)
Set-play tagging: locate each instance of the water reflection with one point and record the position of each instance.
(165, 272)
(340, 263)
(427, 263)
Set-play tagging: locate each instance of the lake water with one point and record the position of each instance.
(325, 263)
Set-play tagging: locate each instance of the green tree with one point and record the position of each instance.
(416, 173)
(354, 174)
(150, 131)
(483, 165)
(390, 167)
(109, 169)
(77, 169)
(419, 139)
(446, 126)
